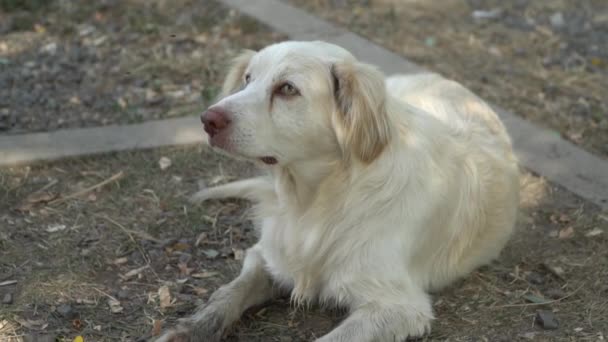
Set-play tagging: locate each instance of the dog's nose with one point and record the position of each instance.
(215, 119)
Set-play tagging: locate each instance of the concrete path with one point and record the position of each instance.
(24, 148)
(540, 150)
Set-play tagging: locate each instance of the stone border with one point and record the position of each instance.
(540, 150)
(24, 148)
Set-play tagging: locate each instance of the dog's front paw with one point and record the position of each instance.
(179, 334)
(204, 327)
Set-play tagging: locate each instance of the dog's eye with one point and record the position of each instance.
(247, 78)
(287, 89)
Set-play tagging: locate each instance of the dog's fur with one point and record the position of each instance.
(383, 190)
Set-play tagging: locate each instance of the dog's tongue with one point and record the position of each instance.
(269, 160)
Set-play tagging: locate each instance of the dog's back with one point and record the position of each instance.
(454, 105)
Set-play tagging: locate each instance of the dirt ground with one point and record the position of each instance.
(545, 60)
(108, 248)
(113, 263)
(67, 64)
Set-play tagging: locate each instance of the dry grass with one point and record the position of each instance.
(86, 63)
(129, 237)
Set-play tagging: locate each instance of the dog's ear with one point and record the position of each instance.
(236, 71)
(361, 121)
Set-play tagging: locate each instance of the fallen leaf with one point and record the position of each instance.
(164, 163)
(239, 254)
(164, 296)
(86, 301)
(184, 269)
(77, 324)
(200, 239)
(134, 272)
(211, 253)
(199, 290)
(39, 28)
(594, 232)
(115, 306)
(156, 327)
(120, 261)
(596, 61)
(179, 246)
(204, 275)
(566, 233)
(121, 102)
(556, 270)
(534, 298)
(7, 282)
(30, 324)
(55, 228)
(562, 218)
(35, 199)
(78, 339)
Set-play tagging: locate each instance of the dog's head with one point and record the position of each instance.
(295, 101)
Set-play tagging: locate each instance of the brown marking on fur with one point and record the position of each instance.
(364, 127)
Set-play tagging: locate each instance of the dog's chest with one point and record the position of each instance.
(297, 257)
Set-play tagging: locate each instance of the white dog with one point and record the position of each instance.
(379, 191)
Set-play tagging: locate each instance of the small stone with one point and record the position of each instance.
(66, 311)
(164, 163)
(555, 293)
(7, 299)
(557, 20)
(185, 258)
(534, 278)
(557, 271)
(529, 335)
(483, 14)
(123, 294)
(49, 48)
(547, 320)
(211, 253)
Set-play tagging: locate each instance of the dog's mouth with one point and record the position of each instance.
(269, 160)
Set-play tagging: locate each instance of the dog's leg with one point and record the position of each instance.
(251, 189)
(252, 287)
(409, 315)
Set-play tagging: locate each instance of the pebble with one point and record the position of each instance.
(210, 253)
(123, 294)
(66, 311)
(557, 20)
(185, 258)
(555, 293)
(547, 320)
(7, 299)
(491, 14)
(535, 278)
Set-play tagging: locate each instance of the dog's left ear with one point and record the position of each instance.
(361, 122)
(236, 72)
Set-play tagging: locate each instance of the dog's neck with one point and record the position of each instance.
(299, 182)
